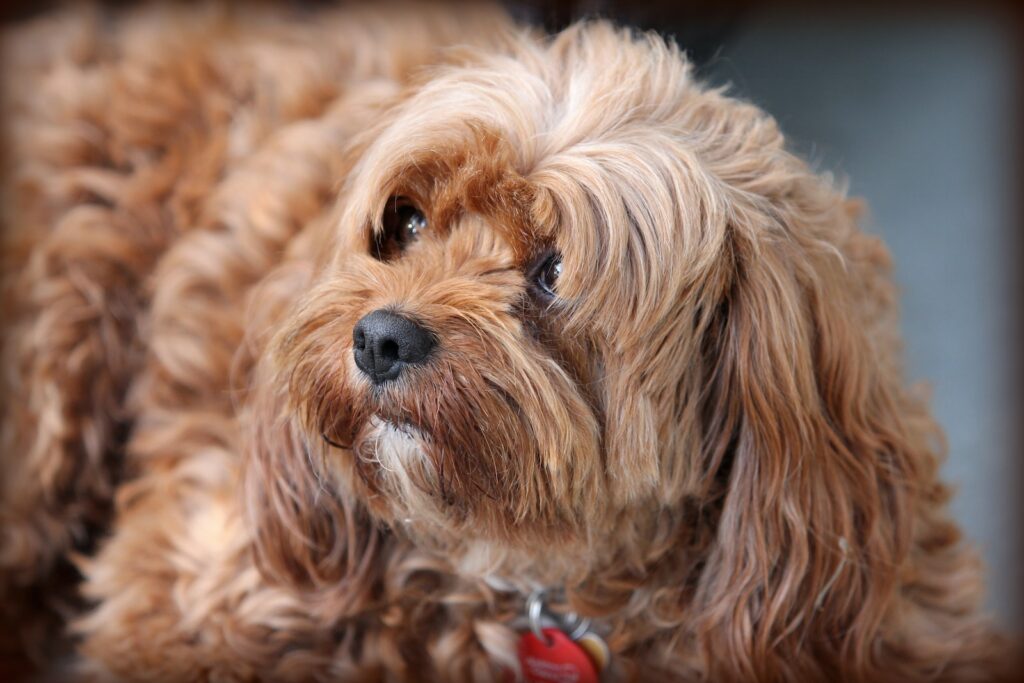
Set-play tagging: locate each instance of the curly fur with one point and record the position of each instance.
(705, 439)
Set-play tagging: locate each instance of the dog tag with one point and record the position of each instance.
(560, 660)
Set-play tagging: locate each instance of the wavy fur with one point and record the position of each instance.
(705, 439)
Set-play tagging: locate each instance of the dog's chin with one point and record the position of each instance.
(391, 442)
(389, 446)
(406, 490)
(415, 504)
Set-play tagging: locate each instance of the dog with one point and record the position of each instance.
(361, 344)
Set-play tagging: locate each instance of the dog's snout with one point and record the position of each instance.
(385, 342)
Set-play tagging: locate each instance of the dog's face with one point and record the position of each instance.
(498, 341)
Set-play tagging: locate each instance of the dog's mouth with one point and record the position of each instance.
(387, 443)
(444, 447)
(382, 434)
(374, 427)
(414, 466)
(389, 428)
(392, 457)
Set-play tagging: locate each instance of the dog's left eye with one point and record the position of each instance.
(548, 273)
(402, 223)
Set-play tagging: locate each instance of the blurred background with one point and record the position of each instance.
(916, 106)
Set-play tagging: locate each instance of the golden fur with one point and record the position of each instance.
(704, 440)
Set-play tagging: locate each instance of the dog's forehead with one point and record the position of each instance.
(476, 176)
(588, 153)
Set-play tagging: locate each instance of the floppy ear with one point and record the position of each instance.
(819, 448)
(306, 531)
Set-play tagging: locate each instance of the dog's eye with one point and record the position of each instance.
(547, 274)
(402, 223)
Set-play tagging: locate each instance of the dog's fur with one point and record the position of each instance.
(703, 442)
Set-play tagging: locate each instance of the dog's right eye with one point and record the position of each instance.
(401, 224)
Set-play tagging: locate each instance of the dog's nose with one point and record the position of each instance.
(385, 342)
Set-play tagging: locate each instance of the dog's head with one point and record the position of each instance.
(496, 343)
(572, 298)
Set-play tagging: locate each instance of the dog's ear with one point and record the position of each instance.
(306, 532)
(816, 446)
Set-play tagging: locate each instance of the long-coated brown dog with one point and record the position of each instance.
(330, 337)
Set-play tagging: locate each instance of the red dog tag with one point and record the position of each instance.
(559, 661)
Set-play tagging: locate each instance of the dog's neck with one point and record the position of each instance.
(602, 580)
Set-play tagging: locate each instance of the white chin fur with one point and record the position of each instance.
(398, 451)
(394, 446)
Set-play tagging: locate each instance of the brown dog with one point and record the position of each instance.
(369, 339)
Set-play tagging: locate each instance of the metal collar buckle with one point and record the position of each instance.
(539, 616)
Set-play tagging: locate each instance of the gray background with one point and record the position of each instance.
(916, 114)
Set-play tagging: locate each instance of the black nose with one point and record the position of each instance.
(385, 342)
